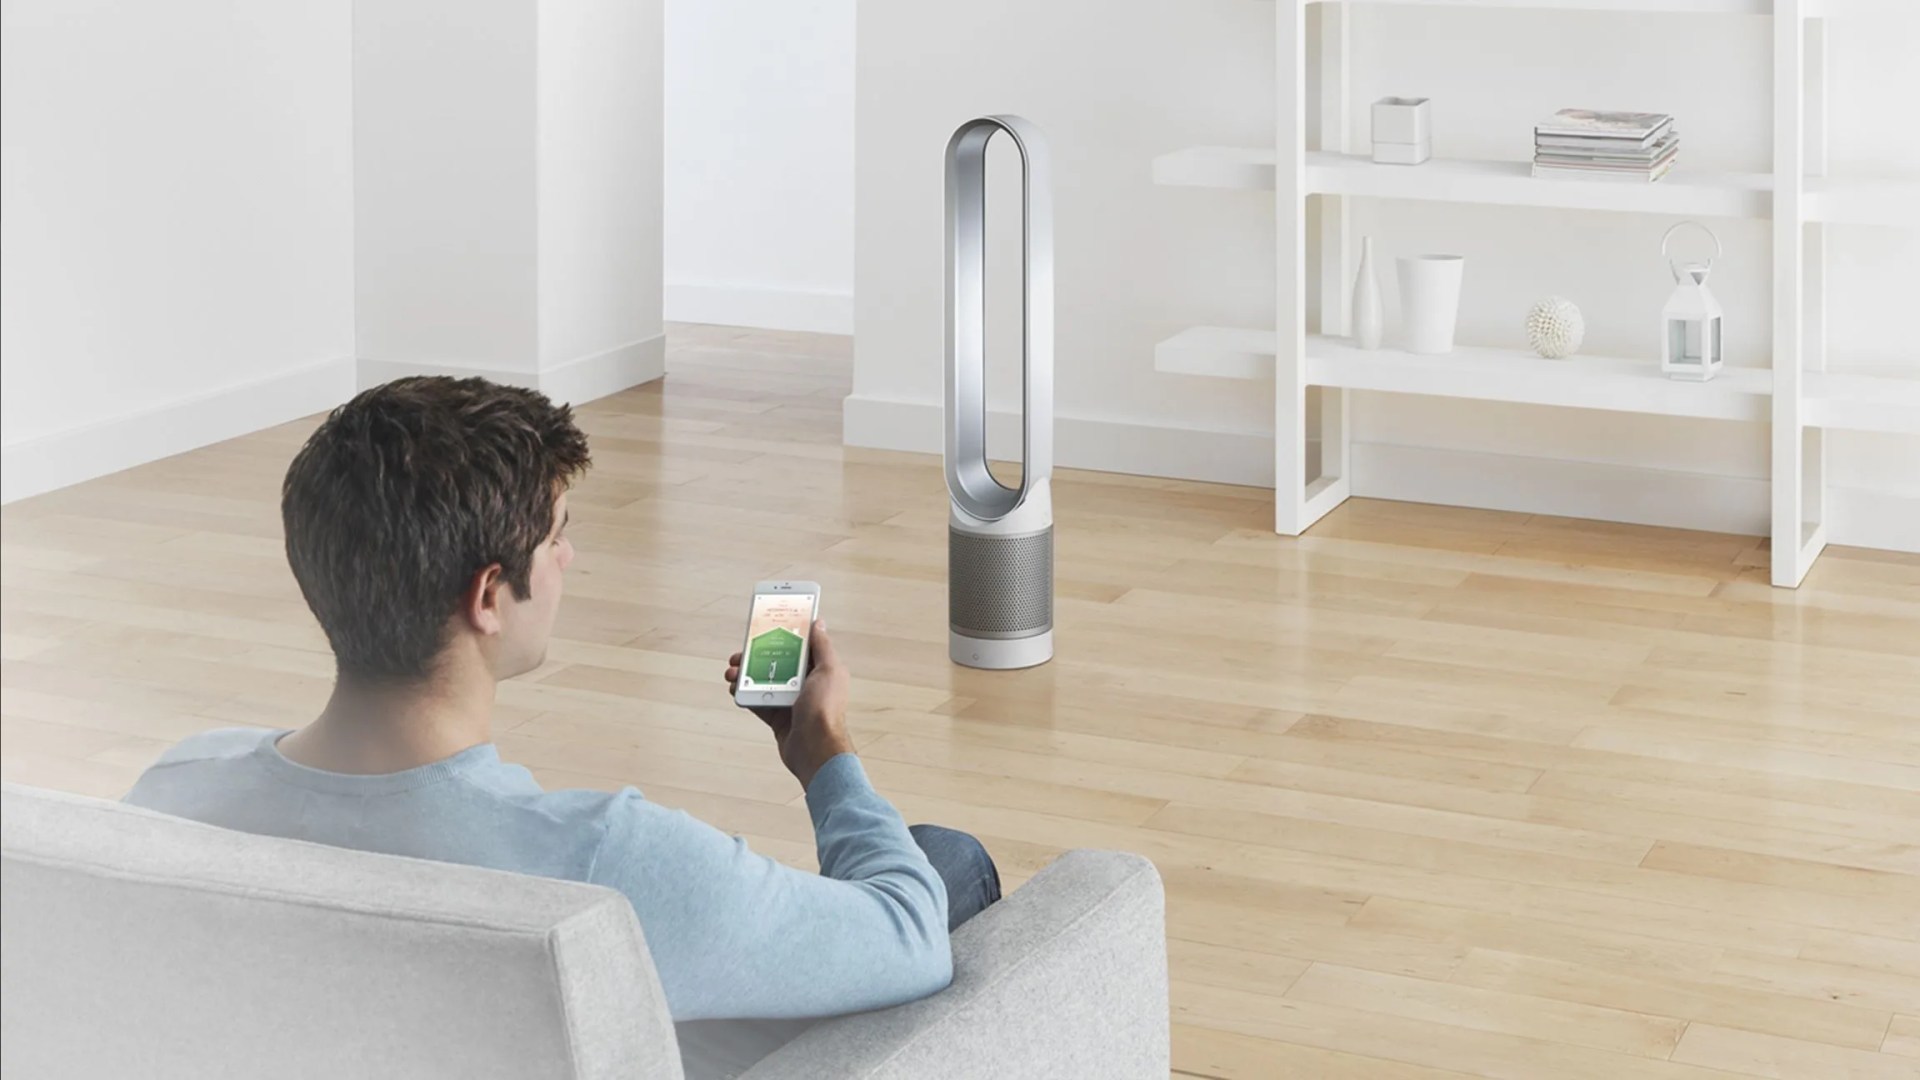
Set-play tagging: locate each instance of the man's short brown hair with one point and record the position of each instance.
(404, 494)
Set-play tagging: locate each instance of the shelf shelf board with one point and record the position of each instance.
(1513, 375)
(1835, 400)
(1845, 402)
(1217, 351)
(1699, 7)
(1865, 201)
(1510, 183)
(1235, 167)
(1481, 374)
(1808, 8)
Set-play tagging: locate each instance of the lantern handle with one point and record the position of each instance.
(1667, 240)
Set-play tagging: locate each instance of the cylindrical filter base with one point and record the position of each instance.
(1000, 598)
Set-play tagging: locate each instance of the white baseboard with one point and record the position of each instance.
(41, 464)
(764, 309)
(1873, 519)
(579, 381)
(371, 373)
(1633, 494)
(47, 462)
(1642, 496)
(575, 381)
(1103, 445)
(1579, 489)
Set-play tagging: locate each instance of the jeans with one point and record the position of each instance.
(973, 882)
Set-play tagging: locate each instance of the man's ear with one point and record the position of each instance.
(483, 600)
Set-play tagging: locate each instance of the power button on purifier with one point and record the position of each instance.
(766, 699)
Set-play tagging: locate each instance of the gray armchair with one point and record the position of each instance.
(137, 944)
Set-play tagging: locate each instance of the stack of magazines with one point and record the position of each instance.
(1585, 144)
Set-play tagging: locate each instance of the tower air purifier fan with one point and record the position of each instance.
(999, 539)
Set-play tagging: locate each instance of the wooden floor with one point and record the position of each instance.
(1435, 792)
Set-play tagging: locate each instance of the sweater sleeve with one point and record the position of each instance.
(735, 934)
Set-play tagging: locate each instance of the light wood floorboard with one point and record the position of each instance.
(1436, 792)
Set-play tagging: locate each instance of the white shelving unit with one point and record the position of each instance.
(1798, 396)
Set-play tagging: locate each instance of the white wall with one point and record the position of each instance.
(445, 237)
(507, 163)
(1117, 84)
(178, 208)
(759, 183)
(199, 195)
(600, 148)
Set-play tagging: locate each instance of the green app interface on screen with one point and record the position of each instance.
(777, 641)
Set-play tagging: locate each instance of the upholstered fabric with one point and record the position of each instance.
(734, 932)
(137, 944)
(1066, 977)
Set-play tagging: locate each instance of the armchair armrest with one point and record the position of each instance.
(1065, 977)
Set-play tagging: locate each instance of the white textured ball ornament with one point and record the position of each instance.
(1555, 328)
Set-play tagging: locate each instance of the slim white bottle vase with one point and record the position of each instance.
(1366, 300)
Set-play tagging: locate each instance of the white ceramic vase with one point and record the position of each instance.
(1430, 301)
(1367, 320)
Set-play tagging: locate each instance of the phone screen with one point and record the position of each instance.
(776, 652)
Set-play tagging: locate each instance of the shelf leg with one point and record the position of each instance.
(1338, 247)
(1813, 542)
(1813, 492)
(1290, 251)
(1813, 444)
(1319, 226)
(1817, 97)
(1791, 547)
(1323, 495)
(1813, 448)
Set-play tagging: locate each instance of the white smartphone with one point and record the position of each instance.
(773, 662)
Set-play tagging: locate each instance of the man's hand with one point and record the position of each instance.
(814, 730)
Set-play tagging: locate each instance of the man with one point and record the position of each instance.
(426, 525)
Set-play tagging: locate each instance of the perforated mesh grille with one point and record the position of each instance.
(1000, 587)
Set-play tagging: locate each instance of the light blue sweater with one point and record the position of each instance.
(733, 933)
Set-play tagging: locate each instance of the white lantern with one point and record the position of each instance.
(1691, 337)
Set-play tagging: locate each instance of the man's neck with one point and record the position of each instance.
(369, 729)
